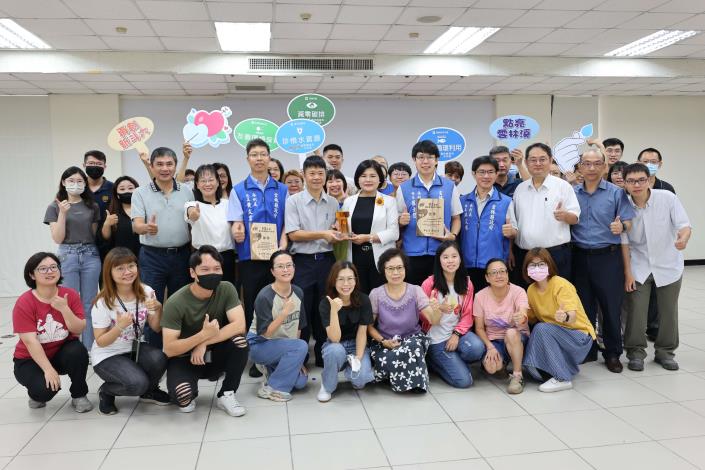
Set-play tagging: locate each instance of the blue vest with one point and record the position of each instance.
(414, 189)
(481, 236)
(258, 206)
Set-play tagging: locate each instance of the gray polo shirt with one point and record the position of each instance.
(150, 200)
(303, 212)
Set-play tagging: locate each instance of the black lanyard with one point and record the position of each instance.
(135, 319)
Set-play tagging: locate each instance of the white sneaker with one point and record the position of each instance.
(555, 385)
(267, 392)
(188, 408)
(230, 405)
(323, 396)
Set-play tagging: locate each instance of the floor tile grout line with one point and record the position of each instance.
(205, 429)
(374, 429)
(112, 446)
(288, 427)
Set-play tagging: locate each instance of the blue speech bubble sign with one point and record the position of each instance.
(451, 143)
(300, 136)
(514, 129)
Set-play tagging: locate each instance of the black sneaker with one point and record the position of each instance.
(254, 371)
(156, 397)
(106, 404)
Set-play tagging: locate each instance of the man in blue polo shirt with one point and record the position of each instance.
(258, 199)
(426, 184)
(598, 268)
(483, 220)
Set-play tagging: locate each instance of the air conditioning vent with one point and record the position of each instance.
(311, 64)
(248, 88)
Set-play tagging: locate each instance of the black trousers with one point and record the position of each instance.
(364, 261)
(477, 276)
(311, 276)
(599, 280)
(420, 267)
(71, 360)
(225, 356)
(562, 257)
(255, 276)
(229, 266)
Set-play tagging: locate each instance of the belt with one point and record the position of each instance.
(559, 247)
(316, 256)
(168, 251)
(366, 247)
(598, 251)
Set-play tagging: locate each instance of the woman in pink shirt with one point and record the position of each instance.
(500, 312)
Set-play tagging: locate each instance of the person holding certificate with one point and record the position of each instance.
(256, 210)
(372, 217)
(429, 207)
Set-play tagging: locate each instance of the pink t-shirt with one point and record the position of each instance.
(497, 316)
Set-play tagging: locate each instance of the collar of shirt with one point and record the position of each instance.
(488, 196)
(250, 181)
(107, 186)
(153, 185)
(324, 197)
(581, 187)
(417, 181)
(648, 201)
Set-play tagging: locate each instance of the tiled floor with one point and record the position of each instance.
(649, 420)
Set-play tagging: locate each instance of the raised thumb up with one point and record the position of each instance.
(616, 227)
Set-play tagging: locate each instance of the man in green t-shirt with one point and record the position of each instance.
(203, 326)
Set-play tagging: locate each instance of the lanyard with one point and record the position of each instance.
(135, 318)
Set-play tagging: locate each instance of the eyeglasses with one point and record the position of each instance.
(485, 172)
(426, 158)
(635, 182)
(497, 272)
(282, 267)
(537, 265)
(394, 269)
(592, 164)
(47, 269)
(537, 161)
(95, 164)
(346, 280)
(126, 267)
(258, 155)
(399, 174)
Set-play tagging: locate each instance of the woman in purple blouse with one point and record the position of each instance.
(399, 346)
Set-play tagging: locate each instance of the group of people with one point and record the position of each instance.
(193, 278)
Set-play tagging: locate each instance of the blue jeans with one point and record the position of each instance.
(163, 269)
(283, 358)
(80, 268)
(452, 366)
(335, 359)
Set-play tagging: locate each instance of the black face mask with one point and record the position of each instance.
(125, 198)
(209, 281)
(94, 172)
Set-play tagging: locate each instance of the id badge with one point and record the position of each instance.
(135, 353)
(208, 357)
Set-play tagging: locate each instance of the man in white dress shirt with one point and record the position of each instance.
(543, 209)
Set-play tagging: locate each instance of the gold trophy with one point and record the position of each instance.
(342, 218)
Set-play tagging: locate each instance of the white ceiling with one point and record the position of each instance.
(529, 28)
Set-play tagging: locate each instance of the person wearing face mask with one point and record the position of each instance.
(73, 219)
(207, 216)
(94, 164)
(203, 325)
(116, 229)
(190, 178)
(562, 334)
(373, 220)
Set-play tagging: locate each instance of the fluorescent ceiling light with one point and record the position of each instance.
(459, 40)
(14, 36)
(243, 37)
(651, 43)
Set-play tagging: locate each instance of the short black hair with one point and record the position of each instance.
(276, 255)
(197, 256)
(425, 146)
(650, 149)
(162, 152)
(455, 168)
(201, 171)
(97, 154)
(333, 147)
(498, 149)
(400, 166)
(256, 143)
(540, 145)
(635, 168)
(32, 264)
(484, 160)
(389, 254)
(190, 172)
(334, 174)
(314, 161)
(616, 167)
(613, 141)
(495, 260)
(364, 165)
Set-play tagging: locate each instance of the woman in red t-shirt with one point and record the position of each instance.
(49, 319)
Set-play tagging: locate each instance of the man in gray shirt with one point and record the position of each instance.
(158, 218)
(309, 218)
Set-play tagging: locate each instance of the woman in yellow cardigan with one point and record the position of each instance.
(561, 335)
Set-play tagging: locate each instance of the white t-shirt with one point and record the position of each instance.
(103, 317)
(441, 332)
(212, 227)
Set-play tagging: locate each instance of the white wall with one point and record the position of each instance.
(362, 127)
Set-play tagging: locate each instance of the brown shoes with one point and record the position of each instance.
(613, 364)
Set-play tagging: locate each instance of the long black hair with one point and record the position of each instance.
(115, 206)
(201, 171)
(229, 186)
(86, 195)
(460, 281)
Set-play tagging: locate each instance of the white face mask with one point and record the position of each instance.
(75, 189)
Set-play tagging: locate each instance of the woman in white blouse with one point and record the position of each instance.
(207, 216)
(373, 221)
